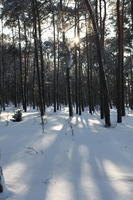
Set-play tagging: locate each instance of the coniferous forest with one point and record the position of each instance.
(74, 54)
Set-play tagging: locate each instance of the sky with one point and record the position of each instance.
(47, 29)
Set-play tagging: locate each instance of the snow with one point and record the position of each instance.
(93, 163)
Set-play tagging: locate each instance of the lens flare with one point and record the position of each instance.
(76, 40)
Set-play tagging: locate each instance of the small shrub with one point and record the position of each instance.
(17, 117)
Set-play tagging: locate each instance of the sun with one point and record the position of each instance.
(76, 40)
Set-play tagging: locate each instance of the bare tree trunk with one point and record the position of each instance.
(132, 12)
(1, 184)
(119, 74)
(33, 89)
(36, 59)
(25, 70)
(20, 64)
(69, 91)
(2, 70)
(96, 11)
(54, 62)
(79, 64)
(14, 67)
(103, 24)
(122, 59)
(131, 93)
(102, 33)
(89, 69)
(58, 69)
(101, 70)
(76, 64)
(41, 56)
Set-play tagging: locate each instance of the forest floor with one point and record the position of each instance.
(77, 159)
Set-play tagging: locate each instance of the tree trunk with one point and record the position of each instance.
(25, 70)
(79, 65)
(2, 87)
(122, 59)
(14, 68)
(58, 99)
(20, 64)
(119, 74)
(1, 184)
(41, 56)
(101, 70)
(69, 91)
(36, 58)
(132, 12)
(54, 62)
(76, 64)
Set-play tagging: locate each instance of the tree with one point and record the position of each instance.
(29, 58)
(37, 57)
(1, 181)
(103, 85)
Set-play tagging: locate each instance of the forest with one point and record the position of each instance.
(69, 64)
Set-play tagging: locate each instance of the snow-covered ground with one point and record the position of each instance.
(72, 160)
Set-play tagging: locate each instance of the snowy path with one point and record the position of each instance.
(93, 164)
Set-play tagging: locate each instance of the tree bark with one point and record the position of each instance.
(20, 64)
(76, 63)
(1, 186)
(69, 91)
(41, 56)
(101, 70)
(37, 59)
(54, 62)
(119, 74)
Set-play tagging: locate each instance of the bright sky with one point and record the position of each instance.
(47, 32)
